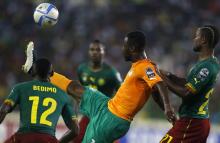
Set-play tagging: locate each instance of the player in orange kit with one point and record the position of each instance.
(110, 118)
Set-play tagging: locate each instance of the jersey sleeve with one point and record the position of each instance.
(61, 81)
(13, 98)
(67, 113)
(200, 79)
(149, 74)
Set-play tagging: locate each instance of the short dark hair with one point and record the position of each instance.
(96, 41)
(136, 39)
(211, 34)
(43, 67)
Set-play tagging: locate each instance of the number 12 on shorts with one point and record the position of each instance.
(34, 110)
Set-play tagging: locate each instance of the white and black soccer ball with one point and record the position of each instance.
(46, 15)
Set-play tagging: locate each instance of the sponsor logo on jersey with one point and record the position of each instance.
(196, 81)
(150, 74)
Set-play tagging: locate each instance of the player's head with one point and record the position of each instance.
(134, 44)
(206, 37)
(96, 51)
(42, 68)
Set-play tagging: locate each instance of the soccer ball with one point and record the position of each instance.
(46, 15)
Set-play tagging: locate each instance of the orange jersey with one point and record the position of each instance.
(60, 81)
(135, 90)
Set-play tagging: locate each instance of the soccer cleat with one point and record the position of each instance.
(29, 57)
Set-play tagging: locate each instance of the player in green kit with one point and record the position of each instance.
(99, 75)
(96, 73)
(41, 103)
(195, 91)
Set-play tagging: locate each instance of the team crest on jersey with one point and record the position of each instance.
(150, 74)
(101, 81)
(203, 74)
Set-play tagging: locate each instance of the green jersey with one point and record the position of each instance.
(200, 80)
(107, 80)
(41, 104)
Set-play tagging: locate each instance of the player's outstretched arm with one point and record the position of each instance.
(4, 110)
(180, 90)
(74, 131)
(160, 86)
(70, 119)
(175, 84)
(177, 80)
(158, 99)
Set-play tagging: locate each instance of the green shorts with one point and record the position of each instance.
(104, 127)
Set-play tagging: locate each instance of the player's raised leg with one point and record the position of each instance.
(105, 127)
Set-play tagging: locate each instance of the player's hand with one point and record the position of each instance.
(170, 114)
(4, 109)
(29, 57)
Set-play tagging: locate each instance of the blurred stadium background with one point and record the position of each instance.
(168, 24)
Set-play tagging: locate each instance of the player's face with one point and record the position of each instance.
(96, 52)
(126, 51)
(198, 41)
